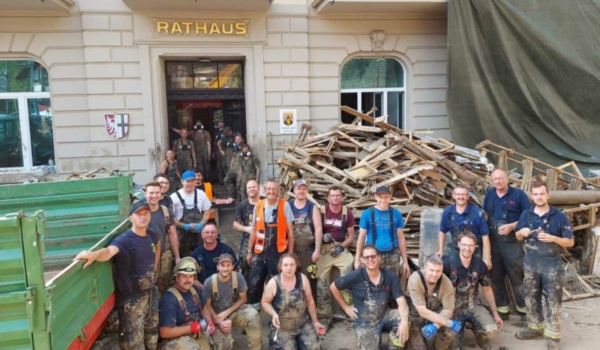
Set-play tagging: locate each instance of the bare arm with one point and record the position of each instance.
(349, 237)
(402, 245)
(561, 241)
(220, 146)
(208, 143)
(439, 319)
(206, 216)
(267, 298)
(489, 296)
(290, 237)
(441, 242)
(163, 167)
(100, 255)
(225, 313)
(174, 241)
(348, 309)
(257, 166)
(251, 245)
(241, 228)
(207, 311)
(316, 216)
(177, 131)
(487, 251)
(360, 243)
(174, 331)
(403, 327)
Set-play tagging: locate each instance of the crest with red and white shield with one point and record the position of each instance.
(117, 125)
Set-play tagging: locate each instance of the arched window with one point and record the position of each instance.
(26, 136)
(374, 82)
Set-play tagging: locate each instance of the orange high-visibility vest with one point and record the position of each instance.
(261, 231)
(209, 194)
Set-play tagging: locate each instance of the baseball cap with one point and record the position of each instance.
(186, 266)
(137, 206)
(299, 183)
(188, 175)
(225, 256)
(382, 190)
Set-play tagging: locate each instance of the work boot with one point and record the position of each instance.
(504, 316)
(483, 343)
(552, 344)
(529, 334)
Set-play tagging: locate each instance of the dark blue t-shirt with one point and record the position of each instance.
(472, 217)
(514, 202)
(170, 312)
(207, 259)
(386, 241)
(370, 300)
(553, 222)
(135, 262)
(167, 202)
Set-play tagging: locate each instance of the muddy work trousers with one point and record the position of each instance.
(507, 261)
(304, 246)
(231, 182)
(188, 241)
(416, 340)
(138, 321)
(303, 337)
(245, 317)
(482, 324)
(543, 278)
(343, 262)
(262, 265)
(186, 342)
(242, 255)
(391, 260)
(368, 334)
(165, 271)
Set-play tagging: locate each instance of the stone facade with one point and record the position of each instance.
(104, 58)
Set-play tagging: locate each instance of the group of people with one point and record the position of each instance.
(196, 303)
(194, 149)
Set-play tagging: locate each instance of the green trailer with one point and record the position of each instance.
(47, 301)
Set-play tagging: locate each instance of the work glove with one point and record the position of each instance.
(199, 227)
(187, 227)
(195, 327)
(430, 330)
(456, 326)
(337, 250)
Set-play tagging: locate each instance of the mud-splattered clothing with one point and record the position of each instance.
(466, 282)
(165, 272)
(135, 262)
(243, 214)
(201, 137)
(183, 154)
(233, 175)
(543, 270)
(186, 342)
(368, 335)
(172, 314)
(471, 219)
(138, 320)
(248, 171)
(188, 209)
(208, 259)
(507, 252)
(245, 316)
(304, 235)
(436, 297)
(171, 172)
(296, 330)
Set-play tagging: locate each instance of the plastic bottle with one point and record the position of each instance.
(51, 166)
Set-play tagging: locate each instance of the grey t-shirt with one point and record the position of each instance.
(225, 291)
(289, 214)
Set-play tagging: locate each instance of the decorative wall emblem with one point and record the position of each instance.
(117, 125)
(377, 38)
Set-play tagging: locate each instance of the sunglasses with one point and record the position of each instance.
(370, 257)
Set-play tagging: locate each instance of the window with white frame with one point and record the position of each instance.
(374, 82)
(26, 136)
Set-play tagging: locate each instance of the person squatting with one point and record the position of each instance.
(180, 287)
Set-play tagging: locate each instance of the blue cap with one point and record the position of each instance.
(188, 175)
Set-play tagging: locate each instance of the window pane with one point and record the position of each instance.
(372, 73)
(394, 108)
(40, 128)
(349, 99)
(205, 76)
(10, 134)
(230, 75)
(179, 75)
(23, 76)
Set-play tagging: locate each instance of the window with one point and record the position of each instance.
(374, 82)
(204, 75)
(26, 135)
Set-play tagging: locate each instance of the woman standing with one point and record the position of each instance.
(169, 167)
(288, 300)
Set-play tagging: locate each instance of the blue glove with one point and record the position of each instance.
(456, 326)
(430, 330)
(187, 227)
(199, 226)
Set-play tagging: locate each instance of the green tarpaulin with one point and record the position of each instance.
(526, 74)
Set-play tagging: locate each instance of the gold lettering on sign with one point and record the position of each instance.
(201, 27)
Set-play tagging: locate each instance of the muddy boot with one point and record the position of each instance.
(504, 316)
(529, 334)
(552, 344)
(483, 342)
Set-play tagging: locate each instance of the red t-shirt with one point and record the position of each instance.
(333, 222)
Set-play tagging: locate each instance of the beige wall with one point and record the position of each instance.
(105, 59)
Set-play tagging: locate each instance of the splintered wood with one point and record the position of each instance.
(359, 158)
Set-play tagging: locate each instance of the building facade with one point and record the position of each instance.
(103, 83)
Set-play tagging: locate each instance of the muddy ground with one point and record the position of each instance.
(581, 321)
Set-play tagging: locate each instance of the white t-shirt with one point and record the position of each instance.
(203, 202)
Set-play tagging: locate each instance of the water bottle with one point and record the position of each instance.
(51, 166)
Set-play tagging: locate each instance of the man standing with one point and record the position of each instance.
(234, 157)
(226, 298)
(185, 152)
(503, 206)
(431, 302)
(467, 272)
(217, 151)
(182, 311)
(161, 221)
(382, 226)
(371, 288)
(308, 230)
(462, 217)
(208, 253)
(545, 231)
(338, 226)
(192, 210)
(203, 147)
(137, 303)
(243, 222)
(272, 234)
(249, 169)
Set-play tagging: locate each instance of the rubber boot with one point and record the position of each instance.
(529, 334)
